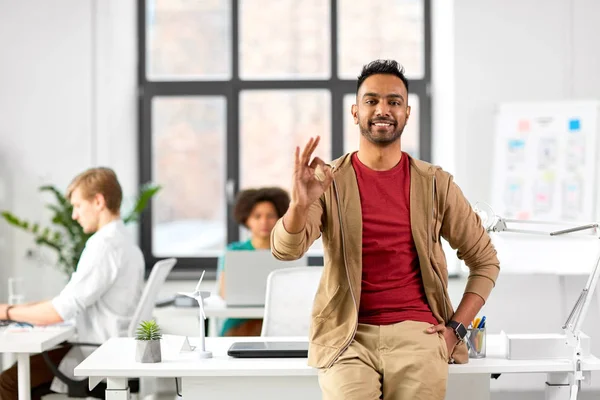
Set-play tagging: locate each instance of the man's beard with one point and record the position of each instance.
(381, 140)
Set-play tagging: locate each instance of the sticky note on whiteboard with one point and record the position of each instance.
(574, 124)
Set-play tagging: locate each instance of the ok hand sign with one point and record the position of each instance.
(311, 178)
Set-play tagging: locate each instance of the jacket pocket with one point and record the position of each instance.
(321, 313)
(443, 298)
(333, 319)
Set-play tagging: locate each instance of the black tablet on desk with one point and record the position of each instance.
(268, 349)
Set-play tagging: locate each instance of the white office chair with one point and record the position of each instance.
(157, 278)
(289, 299)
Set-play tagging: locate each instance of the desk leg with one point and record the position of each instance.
(468, 386)
(24, 380)
(117, 389)
(251, 387)
(558, 386)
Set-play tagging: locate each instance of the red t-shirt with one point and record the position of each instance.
(392, 287)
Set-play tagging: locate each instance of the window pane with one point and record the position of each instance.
(380, 29)
(410, 136)
(272, 124)
(188, 155)
(284, 39)
(188, 40)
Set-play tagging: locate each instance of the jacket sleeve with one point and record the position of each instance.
(291, 246)
(462, 228)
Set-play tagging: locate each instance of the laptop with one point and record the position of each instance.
(268, 350)
(246, 273)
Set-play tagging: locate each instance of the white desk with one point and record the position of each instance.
(228, 378)
(214, 307)
(31, 342)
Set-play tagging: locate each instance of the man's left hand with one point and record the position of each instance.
(449, 335)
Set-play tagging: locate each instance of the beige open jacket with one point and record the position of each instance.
(437, 208)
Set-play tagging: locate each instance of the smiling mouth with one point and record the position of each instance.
(382, 124)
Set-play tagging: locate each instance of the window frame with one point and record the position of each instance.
(230, 89)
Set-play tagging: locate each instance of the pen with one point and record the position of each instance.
(481, 323)
(476, 323)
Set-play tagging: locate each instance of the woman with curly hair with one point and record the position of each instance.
(258, 210)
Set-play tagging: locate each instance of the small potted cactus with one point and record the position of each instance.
(147, 338)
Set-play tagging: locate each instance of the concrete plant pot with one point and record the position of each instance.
(147, 351)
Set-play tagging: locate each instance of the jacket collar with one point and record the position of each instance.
(344, 163)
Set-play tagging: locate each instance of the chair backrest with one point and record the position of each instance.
(289, 299)
(157, 277)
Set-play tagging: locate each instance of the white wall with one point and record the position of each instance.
(67, 102)
(443, 85)
(501, 51)
(516, 50)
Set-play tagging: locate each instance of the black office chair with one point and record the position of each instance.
(78, 388)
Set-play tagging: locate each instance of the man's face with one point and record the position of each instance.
(381, 110)
(86, 211)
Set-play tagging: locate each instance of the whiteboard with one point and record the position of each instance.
(545, 168)
(545, 161)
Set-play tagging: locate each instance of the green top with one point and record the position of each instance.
(232, 322)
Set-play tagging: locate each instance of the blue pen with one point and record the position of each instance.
(481, 323)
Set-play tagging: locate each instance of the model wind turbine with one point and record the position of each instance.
(199, 296)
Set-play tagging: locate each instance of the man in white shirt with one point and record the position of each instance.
(101, 295)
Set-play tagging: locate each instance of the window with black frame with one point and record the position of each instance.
(228, 88)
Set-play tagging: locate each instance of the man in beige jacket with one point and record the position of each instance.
(382, 321)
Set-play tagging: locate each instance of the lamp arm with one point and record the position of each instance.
(575, 229)
(501, 226)
(579, 311)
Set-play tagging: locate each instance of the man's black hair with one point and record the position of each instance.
(390, 67)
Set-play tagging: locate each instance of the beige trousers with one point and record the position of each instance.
(393, 362)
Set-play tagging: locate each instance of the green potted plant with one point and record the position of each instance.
(147, 348)
(66, 237)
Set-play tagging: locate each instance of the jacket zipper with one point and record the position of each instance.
(433, 212)
(347, 344)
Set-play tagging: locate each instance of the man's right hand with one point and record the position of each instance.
(311, 178)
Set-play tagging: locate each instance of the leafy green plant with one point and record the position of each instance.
(148, 330)
(66, 237)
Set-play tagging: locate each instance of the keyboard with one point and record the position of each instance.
(7, 322)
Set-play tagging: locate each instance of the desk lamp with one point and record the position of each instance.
(572, 326)
(199, 296)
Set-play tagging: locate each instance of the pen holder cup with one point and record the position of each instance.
(476, 342)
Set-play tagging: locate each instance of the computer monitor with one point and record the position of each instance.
(246, 273)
